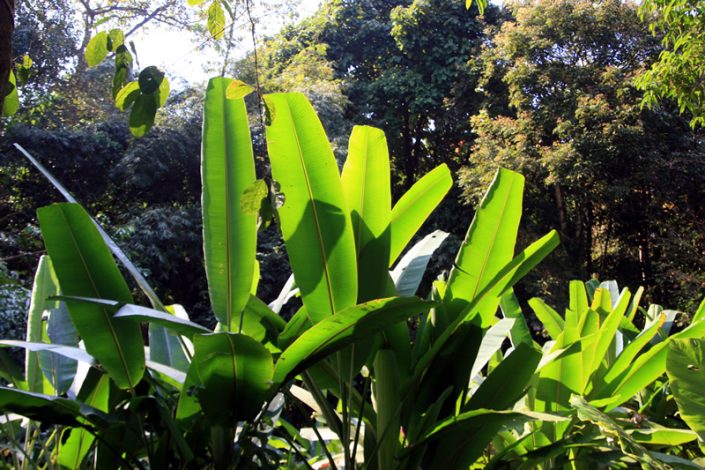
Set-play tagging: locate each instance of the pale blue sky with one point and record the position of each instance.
(179, 55)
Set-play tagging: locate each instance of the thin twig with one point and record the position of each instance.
(258, 89)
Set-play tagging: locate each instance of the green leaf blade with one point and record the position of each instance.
(97, 49)
(489, 243)
(229, 231)
(85, 267)
(346, 327)
(414, 207)
(314, 219)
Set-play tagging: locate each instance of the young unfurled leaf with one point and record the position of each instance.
(238, 89)
(216, 20)
(97, 49)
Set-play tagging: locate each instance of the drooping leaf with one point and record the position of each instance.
(685, 366)
(347, 326)
(114, 248)
(409, 271)
(84, 267)
(49, 409)
(314, 219)
(177, 324)
(612, 429)
(229, 231)
(62, 350)
(414, 207)
(97, 49)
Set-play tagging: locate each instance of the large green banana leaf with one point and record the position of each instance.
(85, 267)
(315, 221)
(229, 231)
(488, 246)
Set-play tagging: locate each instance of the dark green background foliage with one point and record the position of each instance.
(544, 89)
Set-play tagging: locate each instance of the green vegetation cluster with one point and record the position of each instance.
(301, 343)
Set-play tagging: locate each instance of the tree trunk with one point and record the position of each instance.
(7, 27)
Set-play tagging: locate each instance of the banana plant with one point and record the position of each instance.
(604, 372)
(198, 397)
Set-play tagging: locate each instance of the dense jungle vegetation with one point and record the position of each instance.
(428, 137)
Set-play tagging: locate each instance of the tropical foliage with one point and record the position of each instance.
(317, 298)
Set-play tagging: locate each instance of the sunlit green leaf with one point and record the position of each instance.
(85, 267)
(97, 49)
(349, 325)
(216, 20)
(314, 219)
(11, 103)
(230, 233)
(414, 207)
(127, 95)
(685, 366)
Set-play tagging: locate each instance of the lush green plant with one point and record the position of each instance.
(441, 393)
(608, 375)
(341, 235)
